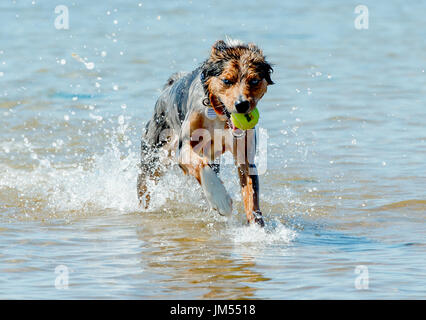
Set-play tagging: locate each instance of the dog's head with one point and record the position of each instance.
(236, 75)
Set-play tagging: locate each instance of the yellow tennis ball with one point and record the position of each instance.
(245, 121)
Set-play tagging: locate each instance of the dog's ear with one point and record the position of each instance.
(265, 70)
(218, 49)
(219, 45)
(213, 66)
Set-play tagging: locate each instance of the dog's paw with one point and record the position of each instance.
(223, 205)
(258, 218)
(215, 192)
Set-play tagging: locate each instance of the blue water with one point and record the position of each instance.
(345, 183)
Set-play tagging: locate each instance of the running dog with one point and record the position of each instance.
(193, 114)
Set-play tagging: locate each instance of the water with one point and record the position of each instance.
(345, 183)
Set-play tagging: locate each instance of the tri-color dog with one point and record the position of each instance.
(193, 114)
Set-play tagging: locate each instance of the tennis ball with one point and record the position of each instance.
(245, 121)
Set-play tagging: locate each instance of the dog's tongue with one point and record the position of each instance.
(233, 126)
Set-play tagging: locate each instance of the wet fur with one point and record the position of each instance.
(180, 111)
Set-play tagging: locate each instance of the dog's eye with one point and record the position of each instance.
(254, 82)
(227, 82)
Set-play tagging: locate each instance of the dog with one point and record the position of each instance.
(192, 109)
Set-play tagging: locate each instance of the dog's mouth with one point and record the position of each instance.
(237, 120)
(225, 111)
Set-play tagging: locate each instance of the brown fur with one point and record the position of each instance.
(239, 64)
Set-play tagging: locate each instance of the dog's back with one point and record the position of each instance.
(171, 107)
(170, 111)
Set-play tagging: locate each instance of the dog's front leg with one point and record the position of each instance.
(206, 174)
(244, 153)
(250, 193)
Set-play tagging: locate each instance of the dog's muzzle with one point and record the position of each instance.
(242, 106)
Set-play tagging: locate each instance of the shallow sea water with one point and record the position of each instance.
(344, 190)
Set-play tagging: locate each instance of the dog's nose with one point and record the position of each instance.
(242, 106)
